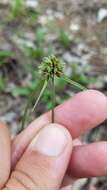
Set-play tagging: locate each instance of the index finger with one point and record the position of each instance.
(79, 114)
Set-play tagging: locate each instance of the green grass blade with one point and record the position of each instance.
(73, 83)
(27, 107)
(40, 95)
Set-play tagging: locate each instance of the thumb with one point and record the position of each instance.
(45, 161)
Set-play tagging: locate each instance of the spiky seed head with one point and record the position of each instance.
(49, 66)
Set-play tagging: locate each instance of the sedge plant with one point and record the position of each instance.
(50, 68)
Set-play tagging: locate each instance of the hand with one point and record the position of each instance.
(44, 156)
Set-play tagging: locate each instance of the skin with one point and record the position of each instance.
(23, 167)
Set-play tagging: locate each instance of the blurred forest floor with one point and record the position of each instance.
(75, 31)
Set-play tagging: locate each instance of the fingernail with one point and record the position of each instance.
(50, 141)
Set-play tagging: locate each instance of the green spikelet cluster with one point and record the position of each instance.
(51, 66)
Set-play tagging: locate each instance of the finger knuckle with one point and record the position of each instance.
(20, 179)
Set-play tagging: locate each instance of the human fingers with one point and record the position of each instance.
(44, 163)
(79, 114)
(4, 154)
(89, 160)
(69, 179)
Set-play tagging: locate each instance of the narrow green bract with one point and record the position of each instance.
(41, 93)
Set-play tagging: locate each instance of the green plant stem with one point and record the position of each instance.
(53, 99)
